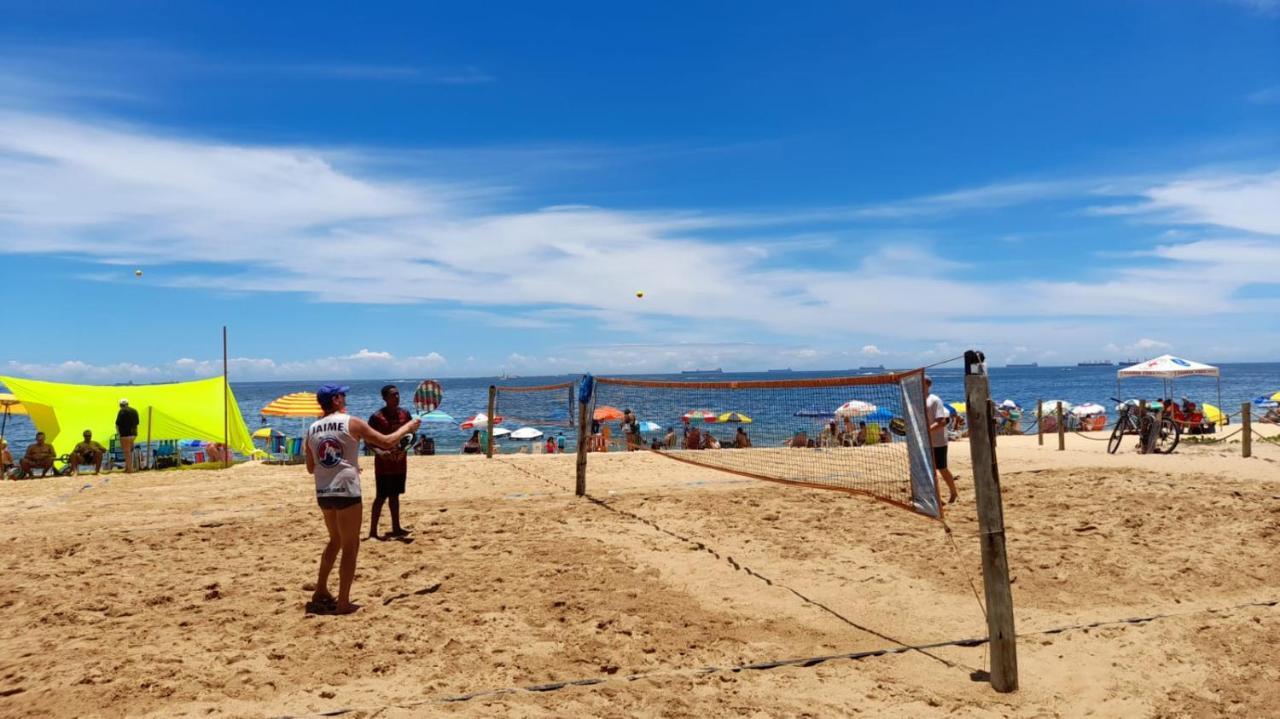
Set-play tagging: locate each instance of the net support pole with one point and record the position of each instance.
(1246, 431)
(1062, 429)
(580, 483)
(226, 405)
(150, 456)
(1040, 421)
(995, 563)
(493, 404)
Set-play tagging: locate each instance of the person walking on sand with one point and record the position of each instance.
(332, 452)
(127, 428)
(389, 467)
(936, 417)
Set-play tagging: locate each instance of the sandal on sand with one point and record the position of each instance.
(314, 607)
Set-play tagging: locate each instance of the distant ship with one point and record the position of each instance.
(1099, 363)
(877, 368)
(778, 371)
(717, 370)
(1131, 361)
(1022, 365)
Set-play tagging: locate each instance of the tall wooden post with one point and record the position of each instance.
(986, 485)
(1246, 431)
(1062, 429)
(226, 405)
(584, 424)
(1040, 421)
(493, 403)
(150, 455)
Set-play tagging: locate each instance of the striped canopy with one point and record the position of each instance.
(298, 404)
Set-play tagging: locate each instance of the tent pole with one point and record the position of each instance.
(226, 400)
(150, 456)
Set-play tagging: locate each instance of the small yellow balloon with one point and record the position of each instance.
(639, 294)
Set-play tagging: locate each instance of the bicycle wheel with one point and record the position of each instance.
(1117, 435)
(1170, 434)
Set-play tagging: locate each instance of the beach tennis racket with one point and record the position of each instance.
(427, 396)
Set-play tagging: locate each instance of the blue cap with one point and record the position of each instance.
(327, 392)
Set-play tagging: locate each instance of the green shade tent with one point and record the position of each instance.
(181, 410)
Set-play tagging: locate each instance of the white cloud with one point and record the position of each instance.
(1266, 96)
(359, 365)
(1238, 201)
(871, 351)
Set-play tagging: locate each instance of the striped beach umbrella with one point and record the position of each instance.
(855, 408)
(297, 404)
(699, 415)
(428, 395)
(479, 421)
(738, 417)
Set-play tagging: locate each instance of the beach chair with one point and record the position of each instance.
(165, 455)
(115, 454)
(873, 433)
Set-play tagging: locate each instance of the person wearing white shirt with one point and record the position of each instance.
(936, 416)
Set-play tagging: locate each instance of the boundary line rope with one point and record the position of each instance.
(804, 662)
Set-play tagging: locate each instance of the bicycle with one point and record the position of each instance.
(1129, 423)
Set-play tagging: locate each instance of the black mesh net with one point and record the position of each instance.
(863, 434)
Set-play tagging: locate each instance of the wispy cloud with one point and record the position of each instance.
(1268, 8)
(1239, 201)
(362, 364)
(1266, 96)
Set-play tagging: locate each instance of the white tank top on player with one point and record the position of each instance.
(337, 456)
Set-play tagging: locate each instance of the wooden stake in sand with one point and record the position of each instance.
(584, 422)
(986, 485)
(493, 403)
(1246, 431)
(1062, 429)
(1040, 421)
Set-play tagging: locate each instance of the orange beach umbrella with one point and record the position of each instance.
(298, 404)
(605, 413)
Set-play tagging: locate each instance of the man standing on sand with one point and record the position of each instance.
(390, 467)
(333, 457)
(127, 427)
(936, 416)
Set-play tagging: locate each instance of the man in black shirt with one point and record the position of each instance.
(390, 467)
(127, 428)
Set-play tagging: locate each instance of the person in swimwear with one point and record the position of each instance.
(332, 452)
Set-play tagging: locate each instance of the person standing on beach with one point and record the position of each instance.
(936, 416)
(389, 467)
(332, 453)
(127, 428)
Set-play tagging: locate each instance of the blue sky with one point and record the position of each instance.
(426, 189)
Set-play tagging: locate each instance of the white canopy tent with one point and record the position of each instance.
(1170, 368)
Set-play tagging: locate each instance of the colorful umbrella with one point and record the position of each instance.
(11, 406)
(1213, 414)
(650, 427)
(1265, 402)
(1051, 406)
(605, 413)
(428, 395)
(267, 433)
(479, 421)
(1275, 397)
(738, 417)
(699, 415)
(298, 404)
(437, 416)
(855, 408)
(1086, 409)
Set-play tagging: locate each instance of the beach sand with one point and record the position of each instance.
(181, 593)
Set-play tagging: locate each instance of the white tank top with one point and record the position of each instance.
(337, 456)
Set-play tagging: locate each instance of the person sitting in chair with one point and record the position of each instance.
(6, 458)
(39, 455)
(472, 445)
(87, 452)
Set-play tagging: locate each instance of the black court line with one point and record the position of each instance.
(804, 662)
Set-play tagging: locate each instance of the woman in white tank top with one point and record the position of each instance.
(333, 458)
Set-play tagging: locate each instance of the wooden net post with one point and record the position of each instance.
(493, 403)
(584, 423)
(1062, 429)
(1040, 421)
(995, 563)
(1246, 431)
(150, 456)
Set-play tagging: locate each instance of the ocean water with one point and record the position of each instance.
(464, 397)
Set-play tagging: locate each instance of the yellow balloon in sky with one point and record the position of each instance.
(639, 294)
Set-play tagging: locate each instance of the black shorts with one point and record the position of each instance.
(389, 485)
(337, 502)
(940, 457)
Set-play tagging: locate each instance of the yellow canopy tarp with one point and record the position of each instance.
(181, 410)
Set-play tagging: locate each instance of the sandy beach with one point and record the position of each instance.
(181, 593)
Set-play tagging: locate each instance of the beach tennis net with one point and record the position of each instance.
(544, 406)
(863, 434)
